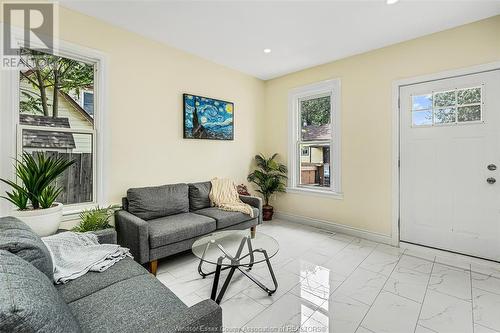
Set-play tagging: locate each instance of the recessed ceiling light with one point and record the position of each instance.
(392, 2)
(267, 50)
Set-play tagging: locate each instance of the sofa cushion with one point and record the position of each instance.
(199, 195)
(16, 237)
(131, 305)
(226, 219)
(176, 228)
(92, 282)
(29, 302)
(153, 202)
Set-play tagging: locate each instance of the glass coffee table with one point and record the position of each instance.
(235, 250)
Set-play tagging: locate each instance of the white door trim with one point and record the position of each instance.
(396, 85)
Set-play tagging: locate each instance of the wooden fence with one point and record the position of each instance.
(77, 180)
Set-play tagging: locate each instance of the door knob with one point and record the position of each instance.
(492, 167)
(491, 180)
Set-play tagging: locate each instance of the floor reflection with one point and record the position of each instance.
(315, 291)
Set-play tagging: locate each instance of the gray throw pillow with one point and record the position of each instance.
(29, 302)
(154, 202)
(199, 195)
(16, 237)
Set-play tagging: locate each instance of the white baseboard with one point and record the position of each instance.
(336, 227)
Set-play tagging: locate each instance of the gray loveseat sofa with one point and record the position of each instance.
(160, 221)
(124, 298)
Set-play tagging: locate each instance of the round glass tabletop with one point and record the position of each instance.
(235, 248)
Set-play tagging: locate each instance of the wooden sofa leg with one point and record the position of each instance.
(153, 266)
(252, 231)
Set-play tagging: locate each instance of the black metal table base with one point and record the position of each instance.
(235, 265)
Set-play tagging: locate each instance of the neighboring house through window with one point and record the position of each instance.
(314, 138)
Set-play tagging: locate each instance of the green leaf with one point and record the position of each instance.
(37, 172)
(269, 177)
(95, 219)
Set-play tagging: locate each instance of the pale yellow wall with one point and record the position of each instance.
(366, 117)
(146, 80)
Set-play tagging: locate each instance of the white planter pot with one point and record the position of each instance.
(44, 222)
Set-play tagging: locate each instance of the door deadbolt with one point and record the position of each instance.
(492, 167)
(491, 180)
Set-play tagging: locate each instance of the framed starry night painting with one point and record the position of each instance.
(208, 118)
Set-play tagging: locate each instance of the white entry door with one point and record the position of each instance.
(450, 164)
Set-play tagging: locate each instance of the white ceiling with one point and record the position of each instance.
(301, 34)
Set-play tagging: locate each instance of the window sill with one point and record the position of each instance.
(71, 215)
(311, 191)
(72, 212)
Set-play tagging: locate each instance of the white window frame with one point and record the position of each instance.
(333, 89)
(10, 129)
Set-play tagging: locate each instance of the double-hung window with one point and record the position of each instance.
(314, 139)
(54, 104)
(57, 116)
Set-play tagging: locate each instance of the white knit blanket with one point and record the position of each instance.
(74, 254)
(224, 195)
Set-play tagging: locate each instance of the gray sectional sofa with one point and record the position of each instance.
(124, 298)
(160, 221)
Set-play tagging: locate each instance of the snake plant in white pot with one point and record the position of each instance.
(36, 193)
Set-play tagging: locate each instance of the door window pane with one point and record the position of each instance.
(469, 113)
(422, 102)
(443, 116)
(315, 115)
(421, 118)
(446, 98)
(315, 165)
(469, 96)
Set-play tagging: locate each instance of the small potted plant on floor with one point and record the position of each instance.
(36, 194)
(270, 177)
(95, 219)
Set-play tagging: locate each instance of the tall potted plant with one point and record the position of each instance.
(36, 194)
(270, 177)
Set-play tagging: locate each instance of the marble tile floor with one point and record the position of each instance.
(338, 283)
